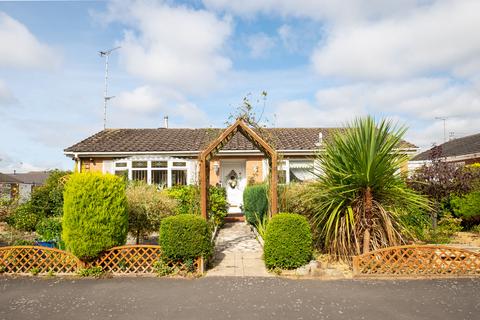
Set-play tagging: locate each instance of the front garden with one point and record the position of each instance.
(362, 202)
(90, 216)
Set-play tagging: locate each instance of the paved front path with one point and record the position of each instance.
(237, 298)
(237, 253)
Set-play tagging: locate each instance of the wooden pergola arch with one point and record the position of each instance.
(211, 150)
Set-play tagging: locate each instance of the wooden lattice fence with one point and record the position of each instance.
(428, 260)
(130, 259)
(35, 259)
(140, 259)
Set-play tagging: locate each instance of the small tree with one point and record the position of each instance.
(146, 208)
(95, 214)
(439, 180)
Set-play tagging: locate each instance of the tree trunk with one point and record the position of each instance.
(138, 237)
(368, 219)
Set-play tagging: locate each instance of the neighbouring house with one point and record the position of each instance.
(20, 185)
(463, 151)
(169, 156)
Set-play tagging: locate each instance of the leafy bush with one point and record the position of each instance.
(467, 207)
(416, 224)
(476, 229)
(95, 272)
(24, 218)
(47, 200)
(218, 205)
(261, 225)
(188, 198)
(288, 241)
(95, 214)
(184, 237)
(447, 227)
(23, 242)
(7, 208)
(255, 202)
(146, 208)
(49, 229)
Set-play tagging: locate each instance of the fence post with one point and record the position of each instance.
(356, 265)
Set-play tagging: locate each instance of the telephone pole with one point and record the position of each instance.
(106, 54)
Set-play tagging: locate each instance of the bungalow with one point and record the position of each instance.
(20, 185)
(462, 151)
(169, 156)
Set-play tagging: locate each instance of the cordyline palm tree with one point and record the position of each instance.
(359, 197)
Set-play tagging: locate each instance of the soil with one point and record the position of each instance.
(468, 239)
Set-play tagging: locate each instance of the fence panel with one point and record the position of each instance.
(36, 259)
(429, 260)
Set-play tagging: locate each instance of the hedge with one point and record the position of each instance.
(255, 202)
(288, 241)
(95, 214)
(184, 237)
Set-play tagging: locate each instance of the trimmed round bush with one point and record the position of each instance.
(95, 214)
(288, 241)
(185, 236)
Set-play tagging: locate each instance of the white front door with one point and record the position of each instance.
(234, 181)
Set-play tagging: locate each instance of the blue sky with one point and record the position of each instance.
(322, 63)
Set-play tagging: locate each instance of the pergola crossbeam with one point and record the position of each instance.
(215, 146)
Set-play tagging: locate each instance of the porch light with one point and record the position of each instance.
(216, 168)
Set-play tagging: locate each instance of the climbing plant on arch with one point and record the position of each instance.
(216, 145)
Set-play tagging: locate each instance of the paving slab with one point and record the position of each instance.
(237, 253)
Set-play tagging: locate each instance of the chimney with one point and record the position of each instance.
(165, 122)
(320, 139)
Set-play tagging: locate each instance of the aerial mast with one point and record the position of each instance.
(106, 54)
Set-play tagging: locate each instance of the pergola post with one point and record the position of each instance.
(273, 184)
(204, 173)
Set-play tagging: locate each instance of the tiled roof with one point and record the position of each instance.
(5, 178)
(176, 139)
(32, 177)
(456, 147)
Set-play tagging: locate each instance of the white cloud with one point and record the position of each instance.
(6, 95)
(260, 45)
(332, 10)
(442, 37)
(172, 45)
(415, 102)
(9, 164)
(20, 48)
(147, 100)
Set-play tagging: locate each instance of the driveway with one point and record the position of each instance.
(237, 298)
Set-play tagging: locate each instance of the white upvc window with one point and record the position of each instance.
(164, 172)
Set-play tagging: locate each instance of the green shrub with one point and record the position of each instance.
(416, 224)
(95, 272)
(288, 241)
(447, 227)
(23, 242)
(218, 205)
(7, 208)
(47, 200)
(188, 198)
(24, 218)
(95, 216)
(467, 207)
(255, 202)
(184, 237)
(476, 229)
(146, 208)
(49, 229)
